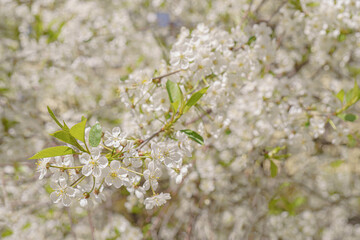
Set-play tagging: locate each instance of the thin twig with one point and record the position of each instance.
(277, 11)
(71, 224)
(207, 112)
(149, 138)
(91, 225)
(166, 75)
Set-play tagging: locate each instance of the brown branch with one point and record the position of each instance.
(166, 75)
(207, 112)
(149, 138)
(91, 225)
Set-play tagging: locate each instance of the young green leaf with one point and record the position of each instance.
(352, 96)
(332, 124)
(251, 39)
(95, 135)
(53, 117)
(340, 95)
(194, 99)
(193, 136)
(53, 152)
(273, 169)
(347, 117)
(175, 95)
(66, 137)
(78, 130)
(337, 163)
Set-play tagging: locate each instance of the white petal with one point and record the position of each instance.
(151, 166)
(66, 200)
(84, 158)
(108, 180)
(139, 194)
(54, 185)
(70, 191)
(178, 179)
(157, 172)
(154, 184)
(95, 152)
(83, 202)
(115, 165)
(116, 131)
(116, 144)
(62, 183)
(109, 142)
(146, 185)
(146, 174)
(96, 172)
(87, 170)
(103, 162)
(117, 182)
(55, 197)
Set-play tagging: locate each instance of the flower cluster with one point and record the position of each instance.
(240, 116)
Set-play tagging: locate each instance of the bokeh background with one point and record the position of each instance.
(78, 56)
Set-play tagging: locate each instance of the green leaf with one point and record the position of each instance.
(175, 95)
(273, 169)
(251, 39)
(341, 37)
(353, 95)
(95, 135)
(332, 124)
(193, 136)
(53, 152)
(354, 71)
(337, 163)
(194, 99)
(78, 130)
(312, 4)
(6, 232)
(53, 117)
(66, 137)
(340, 95)
(298, 202)
(347, 117)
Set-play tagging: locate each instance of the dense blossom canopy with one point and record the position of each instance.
(216, 119)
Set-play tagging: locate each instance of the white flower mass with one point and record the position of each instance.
(215, 119)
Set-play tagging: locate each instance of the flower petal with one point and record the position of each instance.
(66, 200)
(87, 170)
(96, 172)
(116, 131)
(55, 197)
(117, 182)
(103, 162)
(115, 165)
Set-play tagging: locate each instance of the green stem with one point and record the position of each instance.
(132, 171)
(74, 184)
(76, 167)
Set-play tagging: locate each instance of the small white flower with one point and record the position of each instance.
(131, 156)
(61, 161)
(181, 57)
(184, 143)
(178, 174)
(156, 200)
(93, 163)
(62, 192)
(116, 176)
(116, 138)
(151, 175)
(42, 166)
(167, 153)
